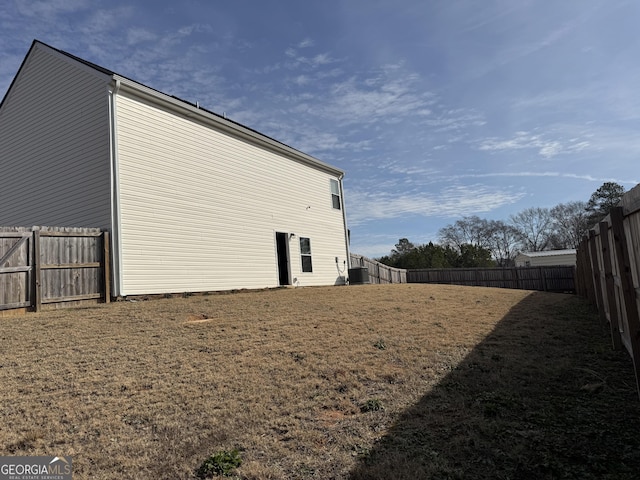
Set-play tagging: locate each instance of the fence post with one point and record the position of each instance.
(580, 286)
(596, 276)
(543, 281)
(37, 272)
(610, 286)
(587, 275)
(624, 267)
(106, 266)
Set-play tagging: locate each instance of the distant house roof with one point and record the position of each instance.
(549, 253)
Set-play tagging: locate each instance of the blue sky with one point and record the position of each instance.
(436, 109)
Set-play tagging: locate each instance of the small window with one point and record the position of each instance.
(335, 194)
(305, 254)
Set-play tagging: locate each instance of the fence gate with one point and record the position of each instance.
(52, 265)
(16, 269)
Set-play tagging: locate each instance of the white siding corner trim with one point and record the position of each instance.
(116, 218)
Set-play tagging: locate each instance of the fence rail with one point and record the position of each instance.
(379, 272)
(547, 279)
(608, 274)
(52, 265)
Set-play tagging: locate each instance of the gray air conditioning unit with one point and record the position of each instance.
(358, 275)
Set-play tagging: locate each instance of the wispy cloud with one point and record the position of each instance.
(315, 61)
(105, 20)
(306, 43)
(526, 140)
(50, 8)
(137, 35)
(576, 176)
(526, 40)
(455, 119)
(373, 99)
(451, 202)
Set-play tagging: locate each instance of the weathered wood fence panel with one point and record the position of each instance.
(550, 279)
(16, 248)
(379, 272)
(608, 274)
(52, 265)
(547, 279)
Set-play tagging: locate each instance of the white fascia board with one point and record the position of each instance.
(223, 124)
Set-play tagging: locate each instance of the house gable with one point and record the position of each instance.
(54, 143)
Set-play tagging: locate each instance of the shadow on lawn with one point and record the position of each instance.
(542, 397)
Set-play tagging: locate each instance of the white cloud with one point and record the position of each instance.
(302, 80)
(354, 101)
(525, 140)
(306, 43)
(311, 62)
(102, 21)
(577, 176)
(321, 59)
(455, 119)
(454, 201)
(138, 35)
(50, 8)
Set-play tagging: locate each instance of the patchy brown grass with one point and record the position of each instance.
(466, 383)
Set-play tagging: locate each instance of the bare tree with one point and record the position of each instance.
(504, 243)
(570, 224)
(467, 231)
(535, 227)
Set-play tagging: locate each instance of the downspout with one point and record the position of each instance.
(115, 194)
(344, 221)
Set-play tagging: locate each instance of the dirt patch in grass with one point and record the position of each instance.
(398, 381)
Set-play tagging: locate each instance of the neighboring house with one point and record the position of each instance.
(546, 258)
(193, 201)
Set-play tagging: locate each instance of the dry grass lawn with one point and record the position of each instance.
(362, 382)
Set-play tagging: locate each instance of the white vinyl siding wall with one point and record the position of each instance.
(200, 208)
(54, 145)
(545, 260)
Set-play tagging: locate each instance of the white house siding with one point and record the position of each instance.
(54, 144)
(200, 208)
(542, 260)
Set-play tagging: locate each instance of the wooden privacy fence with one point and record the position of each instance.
(546, 279)
(51, 265)
(608, 274)
(379, 272)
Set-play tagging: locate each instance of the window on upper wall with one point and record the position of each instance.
(335, 194)
(305, 254)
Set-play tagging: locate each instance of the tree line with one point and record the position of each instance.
(477, 242)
